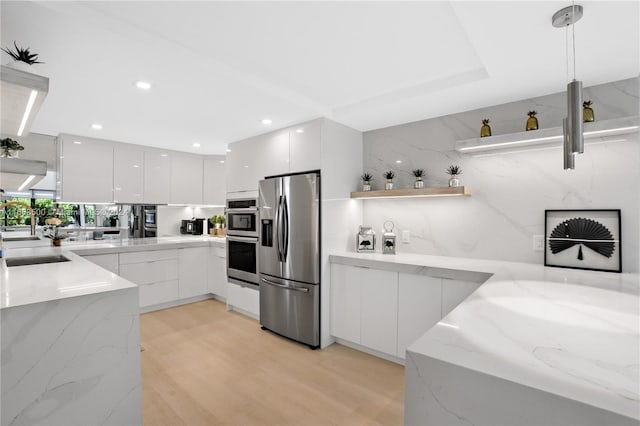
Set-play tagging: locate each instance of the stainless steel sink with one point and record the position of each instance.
(31, 238)
(35, 260)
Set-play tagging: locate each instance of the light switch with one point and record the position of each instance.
(538, 243)
(406, 236)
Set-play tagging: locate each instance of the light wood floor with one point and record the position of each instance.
(202, 365)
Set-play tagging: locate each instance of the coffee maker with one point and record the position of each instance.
(193, 226)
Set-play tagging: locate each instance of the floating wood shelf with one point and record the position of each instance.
(594, 131)
(457, 191)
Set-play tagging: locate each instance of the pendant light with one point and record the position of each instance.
(572, 125)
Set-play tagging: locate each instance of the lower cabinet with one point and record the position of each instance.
(419, 298)
(192, 267)
(244, 298)
(217, 271)
(388, 311)
(155, 272)
(379, 312)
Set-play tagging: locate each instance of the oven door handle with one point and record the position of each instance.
(247, 210)
(288, 287)
(242, 239)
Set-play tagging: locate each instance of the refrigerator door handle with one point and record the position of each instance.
(288, 287)
(285, 233)
(277, 230)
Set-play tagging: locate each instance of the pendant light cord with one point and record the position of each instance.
(573, 37)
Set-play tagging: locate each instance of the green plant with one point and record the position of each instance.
(454, 170)
(22, 55)
(8, 144)
(367, 177)
(217, 219)
(389, 175)
(418, 173)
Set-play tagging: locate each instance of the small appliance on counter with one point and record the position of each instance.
(193, 226)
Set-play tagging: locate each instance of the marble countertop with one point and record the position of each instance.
(567, 332)
(22, 285)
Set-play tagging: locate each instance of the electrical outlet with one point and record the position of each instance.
(538, 243)
(406, 236)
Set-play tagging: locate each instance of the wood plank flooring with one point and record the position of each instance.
(202, 365)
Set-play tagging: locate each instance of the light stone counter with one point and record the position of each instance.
(70, 336)
(533, 345)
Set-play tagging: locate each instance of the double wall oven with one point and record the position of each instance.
(242, 241)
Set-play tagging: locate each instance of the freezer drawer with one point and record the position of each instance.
(291, 309)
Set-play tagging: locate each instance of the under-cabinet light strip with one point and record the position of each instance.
(26, 182)
(27, 111)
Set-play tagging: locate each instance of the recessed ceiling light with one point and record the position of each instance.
(221, 161)
(135, 166)
(399, 161)
(163, 155)
(143, 85)
(196, 145)
(300, 131)
(266, 121)
(228, 150)
(96, 126)
(77, 142)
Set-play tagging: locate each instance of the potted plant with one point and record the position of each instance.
(22, 57)
(366, 181)
(9, 148)
(454, 171)
(218, 221)
(419, 183)
(389, 177)
(52, 231)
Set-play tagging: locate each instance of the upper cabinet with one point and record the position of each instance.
(21, 95)
(157, 176)
(186, 179)
(304, 147)
(86, 169)
(319, 144)
(128, 173)
(213, 189)
(250, 160)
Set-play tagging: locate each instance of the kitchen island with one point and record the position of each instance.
(532, 345)
(70, 334)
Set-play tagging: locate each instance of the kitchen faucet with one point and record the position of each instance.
(33, 216)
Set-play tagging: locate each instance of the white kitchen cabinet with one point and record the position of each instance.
(244, 298)
(192, 266)
(214, 188)
(346, 302)
(250, 160)
(379, 310)
(419, 300)
(454, 292)
(106, 261)
(128, 173)
(86, 169)
(186, 179)
(304, 147)
(217, 271)
(155, 272)
(157, 176)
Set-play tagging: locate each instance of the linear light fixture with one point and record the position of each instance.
(26, 182)
(27, 111)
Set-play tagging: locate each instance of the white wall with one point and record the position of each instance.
(512, 190)
(169, 217)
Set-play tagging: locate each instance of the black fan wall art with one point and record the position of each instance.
(583, 239)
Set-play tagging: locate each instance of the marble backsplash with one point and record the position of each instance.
(510, 190)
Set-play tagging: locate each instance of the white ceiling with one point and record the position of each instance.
(217, 68)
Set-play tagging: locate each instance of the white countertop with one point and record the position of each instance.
(567, 332)
(22, 285)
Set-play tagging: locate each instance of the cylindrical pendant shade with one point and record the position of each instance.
(574, 116)
(569, 157)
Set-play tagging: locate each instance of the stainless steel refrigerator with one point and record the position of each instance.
(289, 256)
